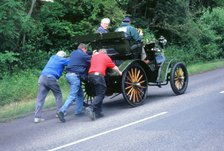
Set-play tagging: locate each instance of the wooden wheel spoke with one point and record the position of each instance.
(182, 83)
(134, 95)
(139, 78)
(179, 84)
(140, 90)
(132, 73)
(138, 73)
(141, 81)
(180, 72)
(130, 77)
(142, 87)
(176, 83)
(177, 71)
(130, 91)
(128, 87)
(139, 95)
(128, 83)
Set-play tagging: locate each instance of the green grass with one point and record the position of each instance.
(25, 107)
(202, 67)
(27, 104)
(24, 92)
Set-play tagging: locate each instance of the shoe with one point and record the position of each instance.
(38, 120)
(57, 114)
(90, 113)
(99, 115)
(61, 116)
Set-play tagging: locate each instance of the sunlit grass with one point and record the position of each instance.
(17, 109)
(202, 67)
(22, 108)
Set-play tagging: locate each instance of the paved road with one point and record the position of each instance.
(193, 121)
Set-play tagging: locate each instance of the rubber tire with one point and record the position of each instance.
(142, 91)
(174, 80)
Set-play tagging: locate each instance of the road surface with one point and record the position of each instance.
(193, 121)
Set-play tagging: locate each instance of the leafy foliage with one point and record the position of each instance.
(14, 21)
(214, 23)
(7, 60)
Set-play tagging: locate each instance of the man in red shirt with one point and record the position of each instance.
(98, 65)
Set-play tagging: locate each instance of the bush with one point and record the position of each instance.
(7, 59)
(184, 55)
(11, 62)
(30, 58)
(212, 24)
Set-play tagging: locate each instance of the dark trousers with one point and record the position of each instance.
(45, 84)
(99, 84)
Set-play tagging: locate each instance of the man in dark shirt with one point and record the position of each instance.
(76, 69)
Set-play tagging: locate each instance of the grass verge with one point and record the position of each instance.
(203, 67)
(22, 108)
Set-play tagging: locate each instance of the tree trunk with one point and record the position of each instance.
(31, 8)
(29, 14)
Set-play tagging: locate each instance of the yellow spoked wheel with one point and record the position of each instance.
(179, 78)
(134, 84)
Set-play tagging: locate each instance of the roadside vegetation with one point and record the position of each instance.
(32, 30)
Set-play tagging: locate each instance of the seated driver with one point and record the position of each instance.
(132, 34)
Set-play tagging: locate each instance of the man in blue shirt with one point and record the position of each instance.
(48, 80)
(76, 69)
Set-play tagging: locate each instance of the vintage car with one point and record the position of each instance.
(137, 75)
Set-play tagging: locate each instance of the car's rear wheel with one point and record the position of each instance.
(88, 92)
